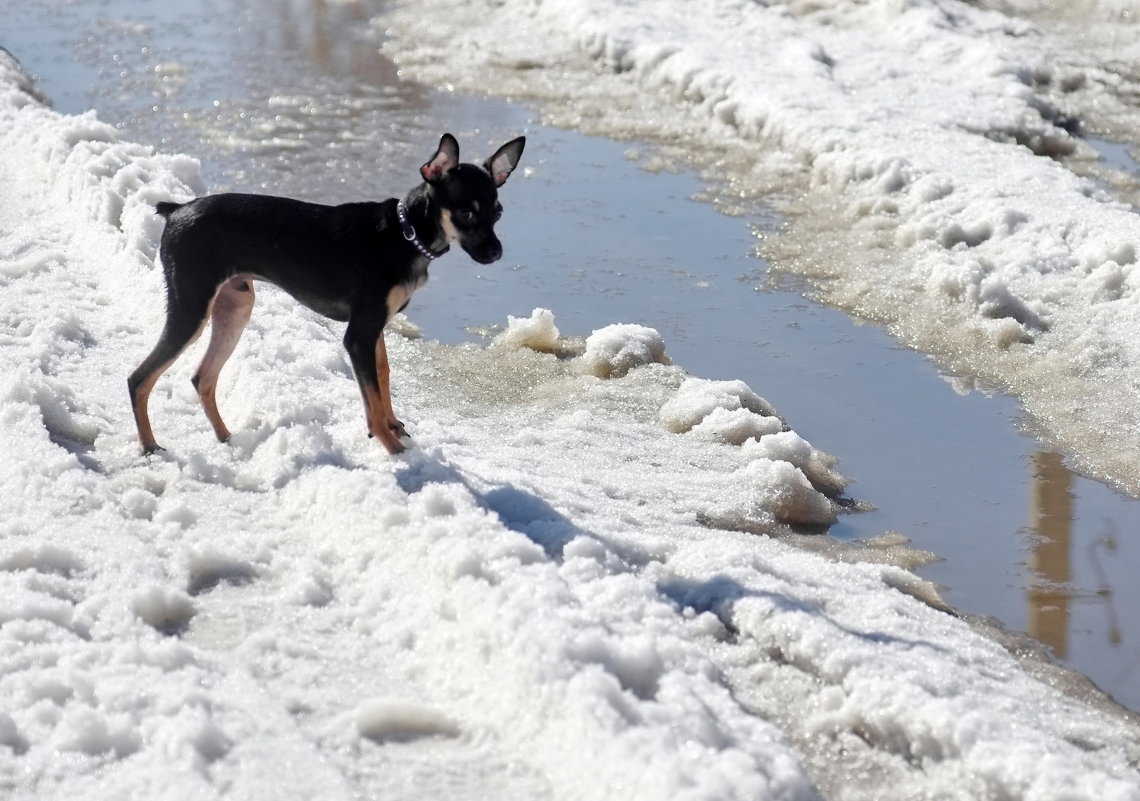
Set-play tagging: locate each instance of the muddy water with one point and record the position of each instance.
(291, 97)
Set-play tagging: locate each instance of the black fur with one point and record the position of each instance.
(351, 262)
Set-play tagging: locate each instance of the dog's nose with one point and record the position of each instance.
(493, 252)
(484, 252)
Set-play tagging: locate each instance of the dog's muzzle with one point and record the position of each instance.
(486, 253)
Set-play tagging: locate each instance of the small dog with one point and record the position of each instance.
(357, 263)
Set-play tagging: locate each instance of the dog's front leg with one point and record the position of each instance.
(364, 340)
(382, 376)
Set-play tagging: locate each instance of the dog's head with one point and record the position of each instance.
(468, 195)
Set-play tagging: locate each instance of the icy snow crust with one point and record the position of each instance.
(527, 605)
(923, 149)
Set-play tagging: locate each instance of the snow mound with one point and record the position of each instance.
(769, 489)
(724, 409)
(537, 332)
(613, 351)
(733, 426)
(16, 87)
(166, 610)
(781, 479)
(790, 447)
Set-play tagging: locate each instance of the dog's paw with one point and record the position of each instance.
(389, 437)
(392, 445)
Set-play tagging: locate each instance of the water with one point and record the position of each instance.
(1115, 155)
(292, 97)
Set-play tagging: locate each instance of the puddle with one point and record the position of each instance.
(1115, 155)
(300, 103)
(1116, 170)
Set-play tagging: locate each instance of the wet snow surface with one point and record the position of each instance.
(565, 589)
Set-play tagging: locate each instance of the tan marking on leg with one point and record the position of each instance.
(398, 296)
(382, 375)
(142, 418)
(142, 392)
(229, 314)
(378, 426)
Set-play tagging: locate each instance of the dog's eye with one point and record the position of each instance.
(465, 216)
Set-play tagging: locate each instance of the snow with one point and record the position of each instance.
(699, 402)
(537, 332)
(946, 189)
(613, 351)
(570, 587)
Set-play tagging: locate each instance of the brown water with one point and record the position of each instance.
(291, 97)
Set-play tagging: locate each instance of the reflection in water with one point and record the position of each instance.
(1108, 541)
(1051, 517)
(1053, 587)
(330, 36)
(1051, 581)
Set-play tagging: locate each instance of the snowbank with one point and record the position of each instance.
(532, 603)
(927, 152)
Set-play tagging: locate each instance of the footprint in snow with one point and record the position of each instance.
(390, 720)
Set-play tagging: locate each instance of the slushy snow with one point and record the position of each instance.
(572, 587)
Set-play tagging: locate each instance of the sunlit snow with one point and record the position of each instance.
(572, 586)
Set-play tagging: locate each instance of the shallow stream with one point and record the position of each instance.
(292, 97)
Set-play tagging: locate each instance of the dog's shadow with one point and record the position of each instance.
(518, 509)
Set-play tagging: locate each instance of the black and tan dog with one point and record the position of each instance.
(357, 262)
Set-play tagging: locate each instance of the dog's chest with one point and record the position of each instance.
(400, 294)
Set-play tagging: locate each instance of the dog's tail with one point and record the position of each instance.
(166, 209)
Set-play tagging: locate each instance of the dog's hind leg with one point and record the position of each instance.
(184, 323)
(229, 314)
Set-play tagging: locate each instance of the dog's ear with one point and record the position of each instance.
(446, 157)
(506, 158)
